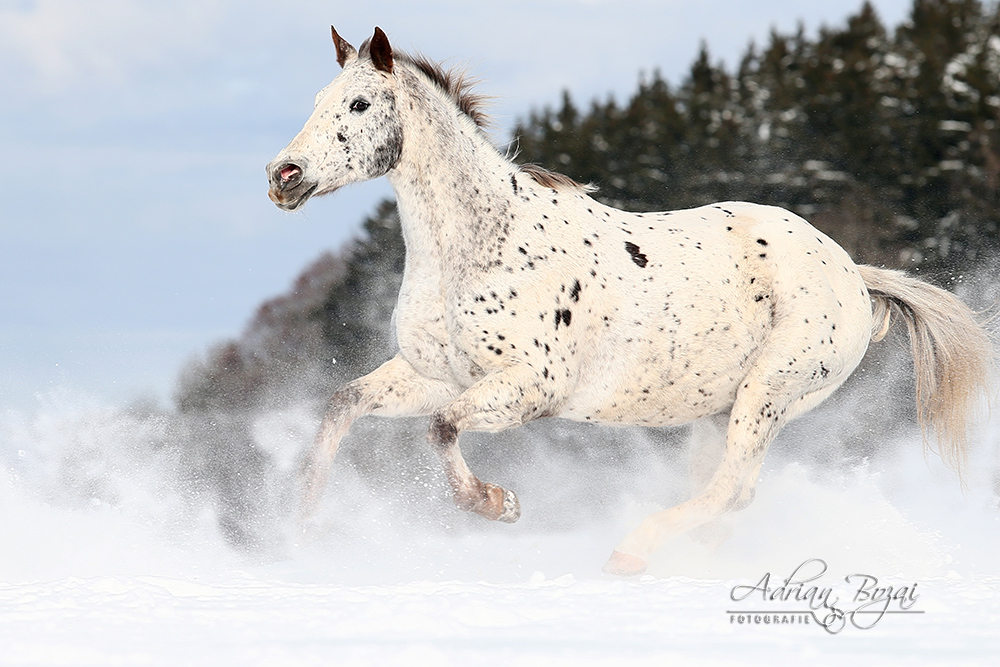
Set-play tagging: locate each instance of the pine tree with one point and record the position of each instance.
(355, 315)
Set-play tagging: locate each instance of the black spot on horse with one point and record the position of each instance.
(574, 293)
(637, 257)
(563, 317)
(762, 242)
(386, 156)
(442, 432)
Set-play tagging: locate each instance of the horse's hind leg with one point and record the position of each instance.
(706, 451)
(767, 399)
(752, 427)
(708, 448)
(394, 389)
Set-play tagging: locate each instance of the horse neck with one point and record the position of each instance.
(452, 186)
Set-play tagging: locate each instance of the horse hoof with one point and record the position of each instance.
(495, 504)
(511, 507)
(624, 565)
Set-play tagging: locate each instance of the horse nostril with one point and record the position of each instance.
(289, 172)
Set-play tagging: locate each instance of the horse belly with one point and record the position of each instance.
(671, 406)
(659, 376)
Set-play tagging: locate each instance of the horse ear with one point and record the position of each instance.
(381, 52)
(344, 50)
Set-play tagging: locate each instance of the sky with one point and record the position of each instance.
(135, 228)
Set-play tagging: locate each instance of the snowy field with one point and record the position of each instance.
(112, 554)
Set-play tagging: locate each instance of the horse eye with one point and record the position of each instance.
(359, 105)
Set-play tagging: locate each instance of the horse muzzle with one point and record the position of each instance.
(289, 188)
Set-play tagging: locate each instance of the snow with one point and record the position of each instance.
(106, 559)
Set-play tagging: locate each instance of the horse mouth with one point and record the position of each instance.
(290, 200)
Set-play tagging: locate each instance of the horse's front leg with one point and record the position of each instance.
(503, 399)
(394, 389)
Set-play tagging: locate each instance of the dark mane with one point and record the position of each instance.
(454, 82)
(457, 85)
(552, 179)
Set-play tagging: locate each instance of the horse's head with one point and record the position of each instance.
(353, 134)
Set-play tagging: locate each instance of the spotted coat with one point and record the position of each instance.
(523, 297)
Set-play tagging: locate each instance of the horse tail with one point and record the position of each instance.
(953, 356)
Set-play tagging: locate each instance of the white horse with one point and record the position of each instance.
(525, 298)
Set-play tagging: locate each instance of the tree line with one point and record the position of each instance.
(888, 141)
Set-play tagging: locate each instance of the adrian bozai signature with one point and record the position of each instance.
(800, 599)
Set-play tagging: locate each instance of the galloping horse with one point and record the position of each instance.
(524, 298)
